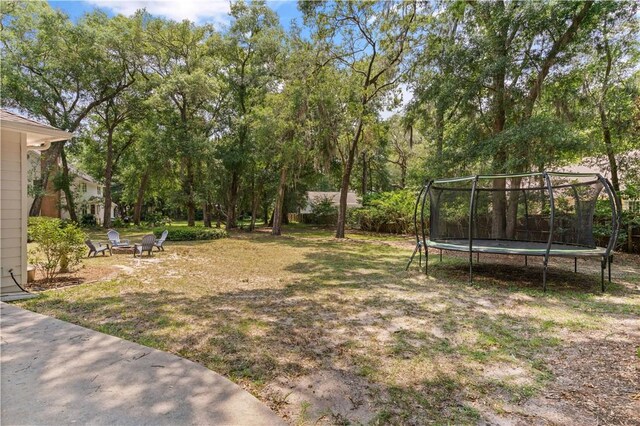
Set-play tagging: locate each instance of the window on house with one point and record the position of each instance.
(99, 190)
(93, 209)
(84, 210)
(83, 187)
(634, 206)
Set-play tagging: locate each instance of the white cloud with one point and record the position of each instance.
(193, 10)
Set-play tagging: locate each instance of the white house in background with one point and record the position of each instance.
(600, 165)
(314, 197)
(17, 136)
(88, 194)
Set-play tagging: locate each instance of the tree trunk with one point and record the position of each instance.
(191, 213)
(108, 171)
(190, 190)
(604, 121)
(233, 200)
(606, 134)
(344, 187)
(364, 174)
(499, 201)
(439, 133)
(206, 214)
(277, 211)
(512, 209)
(50, 158)
(137, 210)
(66, 187)
(254, 203)
(499, 197)
(254, 213)
(218, 215)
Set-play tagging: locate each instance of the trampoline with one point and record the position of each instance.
(544, 214)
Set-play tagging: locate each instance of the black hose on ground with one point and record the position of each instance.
(16, 281)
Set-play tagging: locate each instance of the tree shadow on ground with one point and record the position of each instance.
(405, 347)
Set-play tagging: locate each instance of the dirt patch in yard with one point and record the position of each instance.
(325, 396)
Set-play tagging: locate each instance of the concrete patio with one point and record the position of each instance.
(54, 372)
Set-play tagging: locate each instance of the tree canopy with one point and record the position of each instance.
(225, 124)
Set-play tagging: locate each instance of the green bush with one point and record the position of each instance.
(323, 212)
(34, 222)
(118, 223)
(602, 224)
(60, 246)
(385, 212)
(156, 219)
(88, 221)
(186, 233)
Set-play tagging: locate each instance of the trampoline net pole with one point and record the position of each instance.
(471, 219)
(614, 201)
(424, 235)
(415, 228)
(551, 224)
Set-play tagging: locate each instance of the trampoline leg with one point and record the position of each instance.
(412, 256)
(609, 267)
(470, 267)
(440, 255)
(526, 263)
(420, 257)
(426, 260)
(603, 265)
(575, 264)
(478, 257)
(544, 277)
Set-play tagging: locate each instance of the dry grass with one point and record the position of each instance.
(337, 332)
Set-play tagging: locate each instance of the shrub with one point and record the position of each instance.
(323, 212)
(118, 223)
(385, 212)
(60, 246)
(88, 221)
(186, 233)
(602, 224)
(156, 219)
(32, 223)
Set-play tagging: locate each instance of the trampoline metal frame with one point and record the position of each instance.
(606, 259)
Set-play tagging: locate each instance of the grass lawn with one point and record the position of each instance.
(336, 332)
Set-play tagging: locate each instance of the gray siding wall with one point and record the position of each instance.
(13, 241)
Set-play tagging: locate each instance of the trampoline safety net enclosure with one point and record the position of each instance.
(546, 214)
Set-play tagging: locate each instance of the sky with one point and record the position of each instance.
(199, 11)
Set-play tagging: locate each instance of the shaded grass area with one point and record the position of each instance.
(337, 332)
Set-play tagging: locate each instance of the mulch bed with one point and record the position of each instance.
(81, 276)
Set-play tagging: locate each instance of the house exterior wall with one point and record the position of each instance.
(84, 200)
(13, 209)
(88, 198)
(315, 196)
